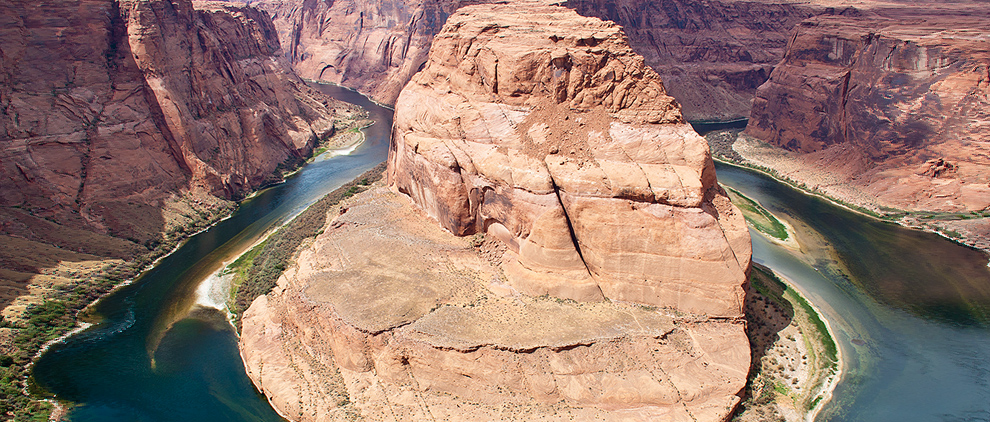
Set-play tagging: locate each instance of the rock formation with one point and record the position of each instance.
(568, 150)
(901, 94)
(124, 120)
(713, 54)
(554, 246)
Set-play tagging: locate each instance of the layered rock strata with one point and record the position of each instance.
(713, 54)
(537, 168)
(558, 140)
(389, 317)
(125, 120)
(371, 46)
(891, 106)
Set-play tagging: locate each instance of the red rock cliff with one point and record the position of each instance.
(123, 120)
(558, 140)
(713, 54)
(543, 130)
(371, 46)
(903, 91)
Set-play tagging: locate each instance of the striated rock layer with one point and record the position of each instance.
(892, 103)
(389, 317)
(558, 140)
(371, 46)
(541, 135)
(713, 54)
(125, 120)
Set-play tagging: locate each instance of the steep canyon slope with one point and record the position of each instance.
(713, 54)
(889, 109)
(127, 122)
(553, 245)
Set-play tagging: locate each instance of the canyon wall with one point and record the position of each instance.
(371, 46)
(712, 54)
(892, 103)
(552, 245)
(125, 121)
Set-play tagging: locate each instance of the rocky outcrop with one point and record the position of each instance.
(901, 94)
(125, 120)
(389, 317)
(537, 168)
(560, 141)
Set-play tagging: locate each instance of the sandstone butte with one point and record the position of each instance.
(887, 107)
(552, 245)
(126, 120)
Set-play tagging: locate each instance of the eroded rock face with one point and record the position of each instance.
(904, 92)
(386, 316)
(539, 133)
(559, 141)
(124, 120)
(371, 46)
(712, 54)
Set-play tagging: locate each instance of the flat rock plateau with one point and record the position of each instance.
(551, 244)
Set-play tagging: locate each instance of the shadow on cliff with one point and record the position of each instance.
(71, 257)
(767, 314)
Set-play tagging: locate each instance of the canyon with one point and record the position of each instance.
(487, 279)
(886, 110)
(126, 124)
(712, 54)
(834, 85)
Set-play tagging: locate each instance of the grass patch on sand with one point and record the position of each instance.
(795, 358)
(256, 272)
(759, 217)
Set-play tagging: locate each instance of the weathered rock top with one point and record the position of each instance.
(544, 129)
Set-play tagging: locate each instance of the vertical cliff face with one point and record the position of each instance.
(713, 54)
(124, 120)
(538, 168)
(905, 90)
(371, 46)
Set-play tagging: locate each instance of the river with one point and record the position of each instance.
(158, 355)
(910, 310)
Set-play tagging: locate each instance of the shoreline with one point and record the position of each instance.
(796, 359)
(373, 101)
(846, 206)
(828, 387)
(60, 409)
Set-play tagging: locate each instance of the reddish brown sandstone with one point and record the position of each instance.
(901, 94)
(125, 120)
(560, 142)
(539, 133)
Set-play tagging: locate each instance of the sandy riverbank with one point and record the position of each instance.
(796, 363)
(814, 175)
